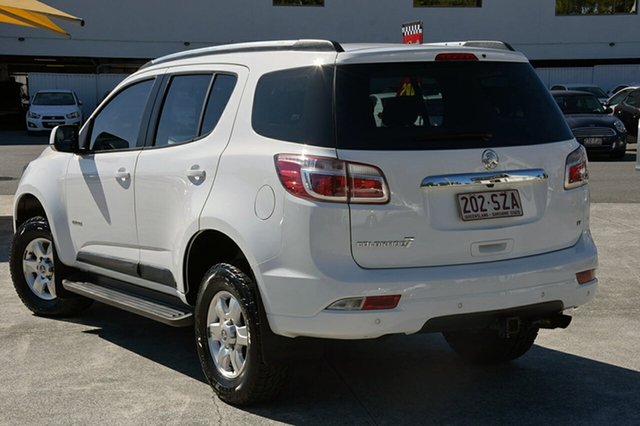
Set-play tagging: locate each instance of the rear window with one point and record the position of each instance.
(444, 105)
(579, 104)
(596, 91)
(295, 105)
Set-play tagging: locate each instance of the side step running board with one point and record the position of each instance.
(158, 311)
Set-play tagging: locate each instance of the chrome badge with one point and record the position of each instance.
(404, 243)
(490, 159)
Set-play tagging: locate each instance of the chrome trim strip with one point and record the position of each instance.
(488, 178)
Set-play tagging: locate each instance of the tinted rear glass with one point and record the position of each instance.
(295, 105)
(54, 98)
(579, 104)
(444, 105)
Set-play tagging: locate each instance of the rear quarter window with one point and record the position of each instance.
(295, 105)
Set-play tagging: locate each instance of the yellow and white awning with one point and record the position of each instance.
(34, 14)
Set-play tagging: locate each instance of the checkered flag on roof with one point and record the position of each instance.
(412, 32)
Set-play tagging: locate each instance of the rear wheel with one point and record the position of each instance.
(487, 346)
(37, 273)
(229, 341)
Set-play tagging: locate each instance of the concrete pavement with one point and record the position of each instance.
(111, 367)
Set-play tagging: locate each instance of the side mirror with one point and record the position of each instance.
(79, 102)
(65, 138)
(608, 110)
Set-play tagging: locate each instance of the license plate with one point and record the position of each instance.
(52, 124)
(592, 141)
(489, 204)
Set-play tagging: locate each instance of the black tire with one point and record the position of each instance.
(620, 152)
(487, 347)
(258, 381)
(63, 304)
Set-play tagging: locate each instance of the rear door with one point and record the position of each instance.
(176, 171)
(474, 156)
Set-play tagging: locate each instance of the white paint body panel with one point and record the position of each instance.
(168, 202)
(552, 218)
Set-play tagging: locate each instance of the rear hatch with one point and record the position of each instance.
(474, 156)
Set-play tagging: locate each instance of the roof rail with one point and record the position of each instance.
(487, 44)
(264, 46)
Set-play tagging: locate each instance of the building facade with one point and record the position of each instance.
(121, 34)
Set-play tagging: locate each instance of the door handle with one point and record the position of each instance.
(122, 174)
(196, 174)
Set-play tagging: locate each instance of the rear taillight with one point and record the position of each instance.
(329, 179)
(576, 171)
(456, 57)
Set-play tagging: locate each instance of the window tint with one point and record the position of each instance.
(618, 97)
(593, 90)
(295, 105)
(444, 105)
(579, 104)
(182, 108)
(218, 98)
(117, 125)
(54, 98)
(633, 99)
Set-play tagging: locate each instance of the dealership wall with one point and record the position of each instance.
(126, 29)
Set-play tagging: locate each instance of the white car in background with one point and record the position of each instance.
(51, 108)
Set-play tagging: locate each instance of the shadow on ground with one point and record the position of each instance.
(6, 233)
(630, 155)
(408, 380)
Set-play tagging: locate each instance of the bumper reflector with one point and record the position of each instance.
(586, 276)
(369, 303)
(380, 302)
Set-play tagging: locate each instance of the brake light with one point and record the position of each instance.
(576, 171)
(330, 179)
(456, 57)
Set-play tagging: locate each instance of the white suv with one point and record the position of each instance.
(270, 191)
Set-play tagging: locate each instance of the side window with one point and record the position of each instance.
(295, 105)
(182, 108)
(218, 99)
(634, 99)
(117, 125)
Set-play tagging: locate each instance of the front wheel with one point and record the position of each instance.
(229, 341)
(37, 273)
(488, 347)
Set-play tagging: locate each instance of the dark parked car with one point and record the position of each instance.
(628, 111)
(590, 124)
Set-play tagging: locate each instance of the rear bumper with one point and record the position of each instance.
(427, 293)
